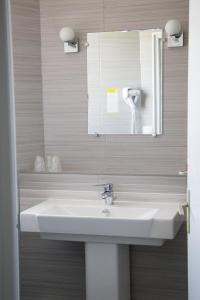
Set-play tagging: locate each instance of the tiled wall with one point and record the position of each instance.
(55, 270)
(35, 188)
(65, 89)
(28, 81)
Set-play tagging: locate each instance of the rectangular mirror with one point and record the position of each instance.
(124, 78)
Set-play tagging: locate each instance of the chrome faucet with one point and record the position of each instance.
(108, 193)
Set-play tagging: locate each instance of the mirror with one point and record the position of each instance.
(124, 78)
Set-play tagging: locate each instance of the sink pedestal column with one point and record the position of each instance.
(107, 271)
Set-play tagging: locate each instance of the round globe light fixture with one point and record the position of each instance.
(67, 35)
(174, 33)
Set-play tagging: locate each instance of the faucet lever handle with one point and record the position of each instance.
(108, 187)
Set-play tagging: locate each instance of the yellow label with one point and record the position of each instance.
(112, 90)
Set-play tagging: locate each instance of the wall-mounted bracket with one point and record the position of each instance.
(71, 47)
(184, 209)
(175, 41)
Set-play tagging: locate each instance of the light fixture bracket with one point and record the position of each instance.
(175, 40)
(71, 46)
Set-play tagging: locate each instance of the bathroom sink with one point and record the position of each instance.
(124, 222)
(107, 232)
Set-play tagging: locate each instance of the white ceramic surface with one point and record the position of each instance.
(132, 219)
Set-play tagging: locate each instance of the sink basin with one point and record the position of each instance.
(91, 220)
(84, 220)
(110, 212)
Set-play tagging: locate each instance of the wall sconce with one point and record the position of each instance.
(71, 44)
(174, 34)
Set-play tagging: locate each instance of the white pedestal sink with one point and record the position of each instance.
(106, 235)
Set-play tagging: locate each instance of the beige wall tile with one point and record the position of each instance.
(65, 89)
(28, 81)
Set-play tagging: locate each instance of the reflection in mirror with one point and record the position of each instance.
(124, 76)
